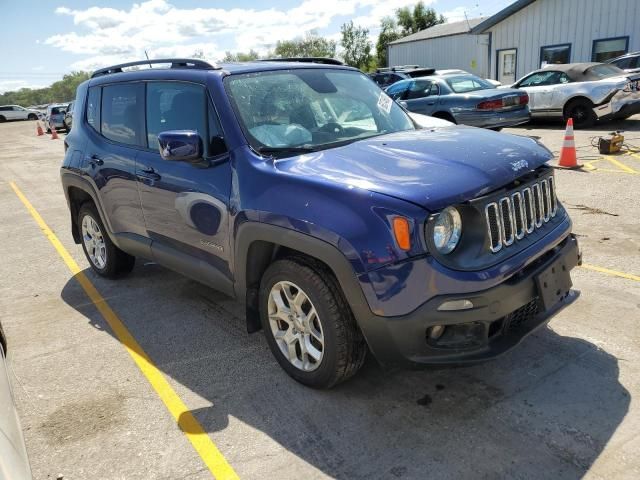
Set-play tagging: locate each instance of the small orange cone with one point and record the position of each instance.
(568, 157)
(39, 131)
(54, 134)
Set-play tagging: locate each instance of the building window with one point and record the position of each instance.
(554, 54)
(608, 48)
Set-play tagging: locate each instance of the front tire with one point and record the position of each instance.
(309, 325)
(32, 116)
(105, 258)
(581, 110)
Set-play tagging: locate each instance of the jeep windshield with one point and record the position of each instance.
(288, 112)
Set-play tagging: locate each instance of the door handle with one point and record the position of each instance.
(94, 160)
(149, 172)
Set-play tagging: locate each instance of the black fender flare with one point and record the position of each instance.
(249, 232)
(73, 180)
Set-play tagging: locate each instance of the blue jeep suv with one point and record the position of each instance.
(306, 193)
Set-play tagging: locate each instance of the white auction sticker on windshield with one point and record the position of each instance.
(384, 102)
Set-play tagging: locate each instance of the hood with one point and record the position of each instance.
(431, 168)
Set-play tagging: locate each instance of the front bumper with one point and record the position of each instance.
(497, 119)
(502, 316)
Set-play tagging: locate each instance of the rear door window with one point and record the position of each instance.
(121, 120)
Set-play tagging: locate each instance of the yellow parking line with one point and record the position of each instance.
(620, 165)
(615, 273)
(200, 440)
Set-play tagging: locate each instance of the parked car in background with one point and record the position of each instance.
(68, 117)
(388, 76)
(310, 196)
(450, 71)
(14, 463)
(462, 98)
(629, 62)
(55, 116)
(586, 92)
(16, 112)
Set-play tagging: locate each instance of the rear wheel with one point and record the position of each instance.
(104, 257)
(445, 116)
(308, 324)
(2, 119)
(581, 110)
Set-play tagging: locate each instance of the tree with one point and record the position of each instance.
(407, 21)
(241, 56)
(356, 45)
(61, 91)
(311, 45)
(388, 33)
(419, 19)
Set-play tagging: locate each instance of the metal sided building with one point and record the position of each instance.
(529, 33)
(444, 46)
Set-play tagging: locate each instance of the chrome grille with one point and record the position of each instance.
(514, 216)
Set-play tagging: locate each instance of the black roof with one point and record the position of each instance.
(579, 72)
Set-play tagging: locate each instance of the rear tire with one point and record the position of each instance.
(2, 119)
(105, 258)
(318, 341)
(445, 116)
(581, 110)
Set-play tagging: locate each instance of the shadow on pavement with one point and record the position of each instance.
(545, 410)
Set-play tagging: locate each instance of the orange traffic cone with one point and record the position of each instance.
(39, 131)
(568, 157)
(54, 134)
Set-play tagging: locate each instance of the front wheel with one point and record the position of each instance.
(32, 116)
(105, 258)
(308, 324)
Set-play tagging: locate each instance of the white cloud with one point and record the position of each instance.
(12, 85)
(457, 14)
(107, 35)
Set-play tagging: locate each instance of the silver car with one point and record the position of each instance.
(462, 98)
(14, 464)
(586, 92)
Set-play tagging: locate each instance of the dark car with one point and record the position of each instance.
(629, 62)
(388, 76)
(68, 118)
(464, 99)
(306, 193)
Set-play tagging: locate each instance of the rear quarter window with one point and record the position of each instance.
(93, 108)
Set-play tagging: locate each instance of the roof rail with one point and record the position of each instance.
(322, 60)
(175, 63)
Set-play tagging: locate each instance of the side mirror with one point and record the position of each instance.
(180, 145)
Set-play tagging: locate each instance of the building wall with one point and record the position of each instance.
(465, 51)
(551, 22)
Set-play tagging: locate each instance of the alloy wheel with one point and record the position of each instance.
(94, 243)
(295, 325)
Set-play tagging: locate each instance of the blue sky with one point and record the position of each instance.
(44, 40)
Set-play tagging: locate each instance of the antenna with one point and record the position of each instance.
(465, 17)
(147, 55)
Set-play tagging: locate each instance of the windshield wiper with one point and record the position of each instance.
(268, 150)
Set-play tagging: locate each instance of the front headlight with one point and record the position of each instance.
(447, 230)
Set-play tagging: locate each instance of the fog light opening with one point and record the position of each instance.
(435, 332)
